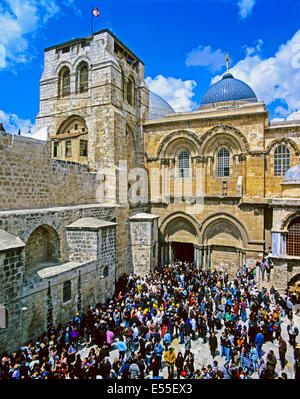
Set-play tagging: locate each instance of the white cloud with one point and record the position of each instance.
(273, 78)
(2, 56)
(294, 116)
(19, 21)
(12, 123)
(207, 57)
(176, 92)
(245, 7)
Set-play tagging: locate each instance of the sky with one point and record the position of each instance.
(183, 44)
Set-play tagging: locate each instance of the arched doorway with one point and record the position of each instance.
(180, 238)
(224, 244)
(42, 248)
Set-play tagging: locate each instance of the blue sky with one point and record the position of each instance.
(182, 43)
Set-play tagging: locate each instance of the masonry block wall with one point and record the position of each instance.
(144, 243)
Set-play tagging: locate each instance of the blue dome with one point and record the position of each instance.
(158, 107)
(292, 175)
(228, 89)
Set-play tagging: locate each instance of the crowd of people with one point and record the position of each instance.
(146, 316)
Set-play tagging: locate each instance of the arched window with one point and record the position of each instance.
(223, 163)
(184, 164)
(67, 291)
(293, 238)
(130, 91)
(82, 78)
(281, 160)
(64, 87)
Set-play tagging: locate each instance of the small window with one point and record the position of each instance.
(154, 251)
(76, 126)
(223, 163)
(68, 148)
(184, 164)
(105, 271)
(55, 149)
(281, 160)
(67, 291)
(83, 148)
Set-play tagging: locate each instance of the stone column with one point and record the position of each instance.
(205, 257)
(162, 255)
(200, 251)
(170, 252)
(208, 257)
(195, 255)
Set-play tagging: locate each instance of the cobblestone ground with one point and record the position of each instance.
(203, 356)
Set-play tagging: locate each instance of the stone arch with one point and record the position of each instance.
(42, 247)
(79, 60)
(229, 135)
(285, 140)
(69, 121)
(179, 227)
(62, 65)
(232, 225)
(176, 139)
(288, 219)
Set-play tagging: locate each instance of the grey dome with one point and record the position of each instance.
(292, 175)
(158, 107)
(228, 89)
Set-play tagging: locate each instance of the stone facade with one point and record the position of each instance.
(227, 219)
(63, 243)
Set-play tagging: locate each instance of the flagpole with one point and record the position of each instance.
(92, 21)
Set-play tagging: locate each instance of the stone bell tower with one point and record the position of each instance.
(94, 87)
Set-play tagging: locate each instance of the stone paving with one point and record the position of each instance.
(203, 356)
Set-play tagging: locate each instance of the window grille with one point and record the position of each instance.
(281, 160)
(293, 238)
(184, 164)
(223, 164)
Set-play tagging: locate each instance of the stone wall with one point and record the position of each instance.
(144, 243)
(30, 179)
(35, 301)
(82, 245)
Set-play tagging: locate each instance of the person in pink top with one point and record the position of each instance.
(109, 338)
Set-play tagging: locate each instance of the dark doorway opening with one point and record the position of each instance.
(183, 251)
